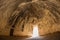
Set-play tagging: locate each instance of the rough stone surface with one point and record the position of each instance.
(44, 13)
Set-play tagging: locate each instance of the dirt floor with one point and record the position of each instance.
(53, 36)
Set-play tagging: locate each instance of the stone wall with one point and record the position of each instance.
(45, 14)
(7, 7)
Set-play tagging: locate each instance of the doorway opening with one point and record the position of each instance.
(35, 31)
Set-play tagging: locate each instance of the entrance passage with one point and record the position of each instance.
(35, 31)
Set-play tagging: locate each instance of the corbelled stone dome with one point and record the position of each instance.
(20, 21)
